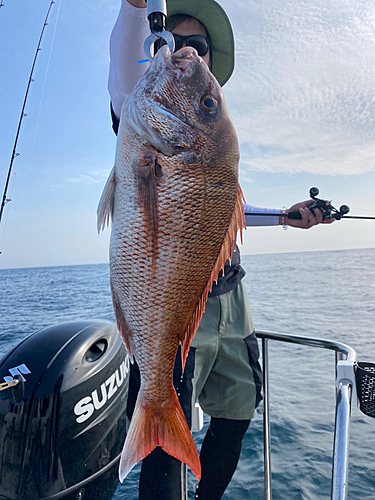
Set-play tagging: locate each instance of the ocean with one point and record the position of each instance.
(328, 295)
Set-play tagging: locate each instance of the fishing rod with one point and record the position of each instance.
(325, 206)
(5, 200)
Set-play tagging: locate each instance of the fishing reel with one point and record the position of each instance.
(157, 14)
(326, 207)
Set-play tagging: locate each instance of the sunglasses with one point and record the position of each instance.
(198, 42)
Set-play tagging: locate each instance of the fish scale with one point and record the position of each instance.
(176, 206)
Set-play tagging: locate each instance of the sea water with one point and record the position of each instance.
(328, 295)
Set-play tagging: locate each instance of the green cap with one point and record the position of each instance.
(219, 29)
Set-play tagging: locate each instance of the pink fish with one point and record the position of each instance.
(176, 206)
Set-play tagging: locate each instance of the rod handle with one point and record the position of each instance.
(294, 215)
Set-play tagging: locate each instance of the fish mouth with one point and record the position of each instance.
(179, 65)
(182, 60)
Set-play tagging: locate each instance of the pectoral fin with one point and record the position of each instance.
(148, 172)
(106, 203)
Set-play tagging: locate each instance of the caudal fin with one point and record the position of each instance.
(164, 427)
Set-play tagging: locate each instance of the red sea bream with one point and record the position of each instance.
(176, 206)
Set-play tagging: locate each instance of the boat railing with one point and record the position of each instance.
(346, 398)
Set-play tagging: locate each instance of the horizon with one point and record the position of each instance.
(242, 255)
(302, 98)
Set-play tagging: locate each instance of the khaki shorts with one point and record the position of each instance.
(227, 374)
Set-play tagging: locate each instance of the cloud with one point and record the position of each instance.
(329, 159)
(303, 92)
(95, 177)
(244, 177)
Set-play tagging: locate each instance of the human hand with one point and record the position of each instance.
(309, 219)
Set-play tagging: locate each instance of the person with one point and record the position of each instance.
(222, 370)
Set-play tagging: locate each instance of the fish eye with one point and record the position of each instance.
(208, 103)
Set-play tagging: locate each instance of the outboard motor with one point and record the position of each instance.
(63, 423)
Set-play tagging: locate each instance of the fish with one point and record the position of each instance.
(176, 207)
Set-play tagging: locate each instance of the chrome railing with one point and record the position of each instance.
(339, 490)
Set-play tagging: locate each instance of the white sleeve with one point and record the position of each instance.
(126, 48)
(253, 220)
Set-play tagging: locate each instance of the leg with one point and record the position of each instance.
(219, 456)
(230, 393)
(160, 477)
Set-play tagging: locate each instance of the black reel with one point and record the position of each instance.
(326, 207)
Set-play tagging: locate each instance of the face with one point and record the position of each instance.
(192, 27)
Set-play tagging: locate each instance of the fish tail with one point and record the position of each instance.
(166, 428)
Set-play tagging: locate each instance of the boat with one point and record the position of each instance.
(63, 411)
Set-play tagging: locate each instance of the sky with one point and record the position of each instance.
(302, 98)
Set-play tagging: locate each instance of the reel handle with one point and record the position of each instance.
(344, 209)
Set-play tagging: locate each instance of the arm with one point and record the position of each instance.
(308, 218)
(253, 220)
(126, 48)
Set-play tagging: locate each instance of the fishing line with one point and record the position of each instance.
(36, 124)
(364, 209)
(4, 295)
(5, 287)
(7, 212)
(45, 80)
(23, 114)
(5, 199)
